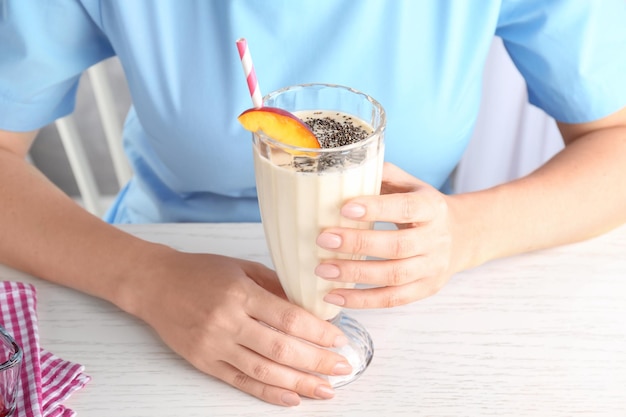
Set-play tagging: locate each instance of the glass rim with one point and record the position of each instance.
(374, 136)
(16, 357)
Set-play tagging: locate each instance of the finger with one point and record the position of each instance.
(293, 352)
(396, 180)
(377, 272)
(293, 320)
(240, 380)
(273, 374)
(413, 207)
(384, 297)
(395, 175)
(388, 244)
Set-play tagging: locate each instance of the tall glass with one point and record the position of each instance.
(301, 191)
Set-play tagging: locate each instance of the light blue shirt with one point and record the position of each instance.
(423, 60)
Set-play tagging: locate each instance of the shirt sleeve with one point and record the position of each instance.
(572, 54)
(44, 48)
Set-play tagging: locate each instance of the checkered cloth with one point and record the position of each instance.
(46, 380)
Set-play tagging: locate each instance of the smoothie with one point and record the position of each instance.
(301, 193)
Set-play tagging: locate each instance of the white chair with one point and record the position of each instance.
(112, 126)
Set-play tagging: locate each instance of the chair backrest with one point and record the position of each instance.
(75, 150)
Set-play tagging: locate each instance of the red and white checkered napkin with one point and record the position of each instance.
(46, 380)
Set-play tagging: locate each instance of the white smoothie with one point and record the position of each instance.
(297, 205)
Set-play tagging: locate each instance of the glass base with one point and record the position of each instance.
(359, 350)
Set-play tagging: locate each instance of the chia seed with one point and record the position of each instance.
(332, 133)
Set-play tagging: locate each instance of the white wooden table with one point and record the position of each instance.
(541, 334)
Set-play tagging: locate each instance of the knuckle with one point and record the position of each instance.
(441, 205)
(289, 319)
(323, 336)
(408, 207)
(260, 372)
(433, 289)
(361, 243)
(432, 285)
(440, 268)
(318, 364)
(217, 322)
(280, 350)
(357, 274)
(299, 385)
(439, 265)
(393, 299)
(398, 275)
(364, 303)
(241, 381)
(238, 293)
(265, 391)
(403, 247)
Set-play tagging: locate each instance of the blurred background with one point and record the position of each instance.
(511, 137)
(49, 155)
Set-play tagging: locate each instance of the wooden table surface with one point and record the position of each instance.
(541, 334)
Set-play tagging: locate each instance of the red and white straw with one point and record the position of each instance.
(248, 69)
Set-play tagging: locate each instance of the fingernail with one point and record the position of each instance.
(353, 211)
(327, 271)
(340, 341)
(324, 391)
(290, 399)
(342, 368)
(335, 299)
(329, 240)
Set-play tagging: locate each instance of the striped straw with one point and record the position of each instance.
(248, 70)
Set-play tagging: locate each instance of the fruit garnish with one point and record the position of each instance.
(279, 125)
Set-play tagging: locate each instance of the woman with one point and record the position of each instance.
(192, 162)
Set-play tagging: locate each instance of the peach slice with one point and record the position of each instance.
(280, 125)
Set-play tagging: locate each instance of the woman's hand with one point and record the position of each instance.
(415, 261)
(228, 317)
